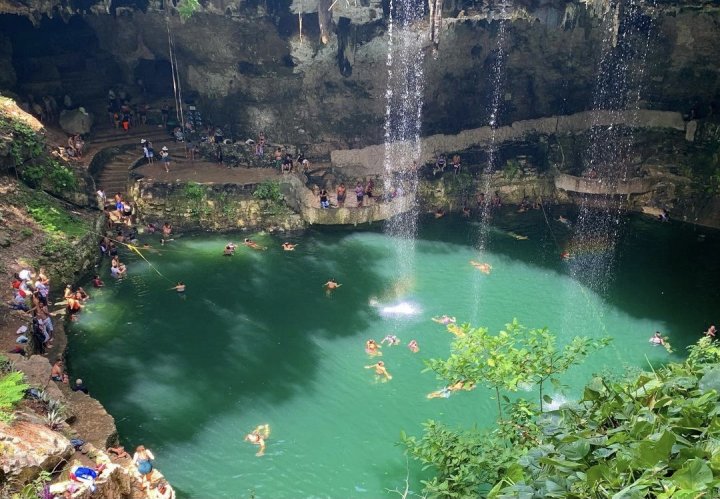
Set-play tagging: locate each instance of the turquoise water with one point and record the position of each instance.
(256, 340)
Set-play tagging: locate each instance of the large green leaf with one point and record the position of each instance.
(694, 475)
(575, 450)
(710, 381)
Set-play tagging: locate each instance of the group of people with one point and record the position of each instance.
(364, 194)
(75, 146)
(372, 348)
(441, 163)
(30, 295)
(122, 114)
(74, 301)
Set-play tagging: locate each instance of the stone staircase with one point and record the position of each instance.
(125, 151)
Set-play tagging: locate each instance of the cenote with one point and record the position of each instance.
(255, 340)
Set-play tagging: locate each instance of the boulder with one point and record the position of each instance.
(76, 121)
(37, 374)
(92, 422)
(29, 448)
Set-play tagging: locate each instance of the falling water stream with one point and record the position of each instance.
(497, 79)
(609, 160)
(403, 120)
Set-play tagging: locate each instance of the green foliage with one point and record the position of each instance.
(35, 489)
(467, 462)
(12, 391)
(33, 175)
(515, 356)
(269, 190)
(58, 175)
(458, 185)
(26, 144)
(511, 169)
(54, 220)
(651, 435)
(187, 8)
(194, 191)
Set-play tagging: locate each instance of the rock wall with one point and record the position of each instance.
(248, 66)
(218, 207)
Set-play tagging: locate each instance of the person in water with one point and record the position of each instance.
(229, 249)
(657, 339)
(380, 370)
(444, 320)
(166, 232)
(330, 286)
(179, 287)
(258, 437)
(485, 268)
(97, 282)
(413, 346)
(391, 339)
(446, 391)
(288, 247)
(252, 244)
(711, 331)
(372, 348)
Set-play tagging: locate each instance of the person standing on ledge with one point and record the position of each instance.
(165, 158)
(143, 459)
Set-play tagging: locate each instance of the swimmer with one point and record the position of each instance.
(391, 339)
(563, 220)
(380, 370)
(446, 391)
(519, 237)
(657, 339)
(485, 268)
(710, 332)
(413, 346)
(252, 244)
(444, 320)
(288, 247)
(229, 249)
(456, 330)
(330, 286)
(258, 436)
(566, 255)
(372, 348)
(439, 213)
(179, 287)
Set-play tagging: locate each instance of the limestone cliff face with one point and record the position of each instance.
(248, 66)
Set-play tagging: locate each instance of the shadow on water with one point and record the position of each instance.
(249, 362)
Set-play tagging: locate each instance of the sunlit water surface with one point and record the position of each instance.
(255, 339)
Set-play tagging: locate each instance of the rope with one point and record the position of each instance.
(557, 245)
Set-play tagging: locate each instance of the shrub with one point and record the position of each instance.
(12, 391)
(268, 190)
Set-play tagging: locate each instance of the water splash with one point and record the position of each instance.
(403, 120)
(626, 42)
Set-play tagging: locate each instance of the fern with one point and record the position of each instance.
(12, 390)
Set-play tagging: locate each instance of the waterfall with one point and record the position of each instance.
(403, 119)
(626, 42)
(485, 206)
